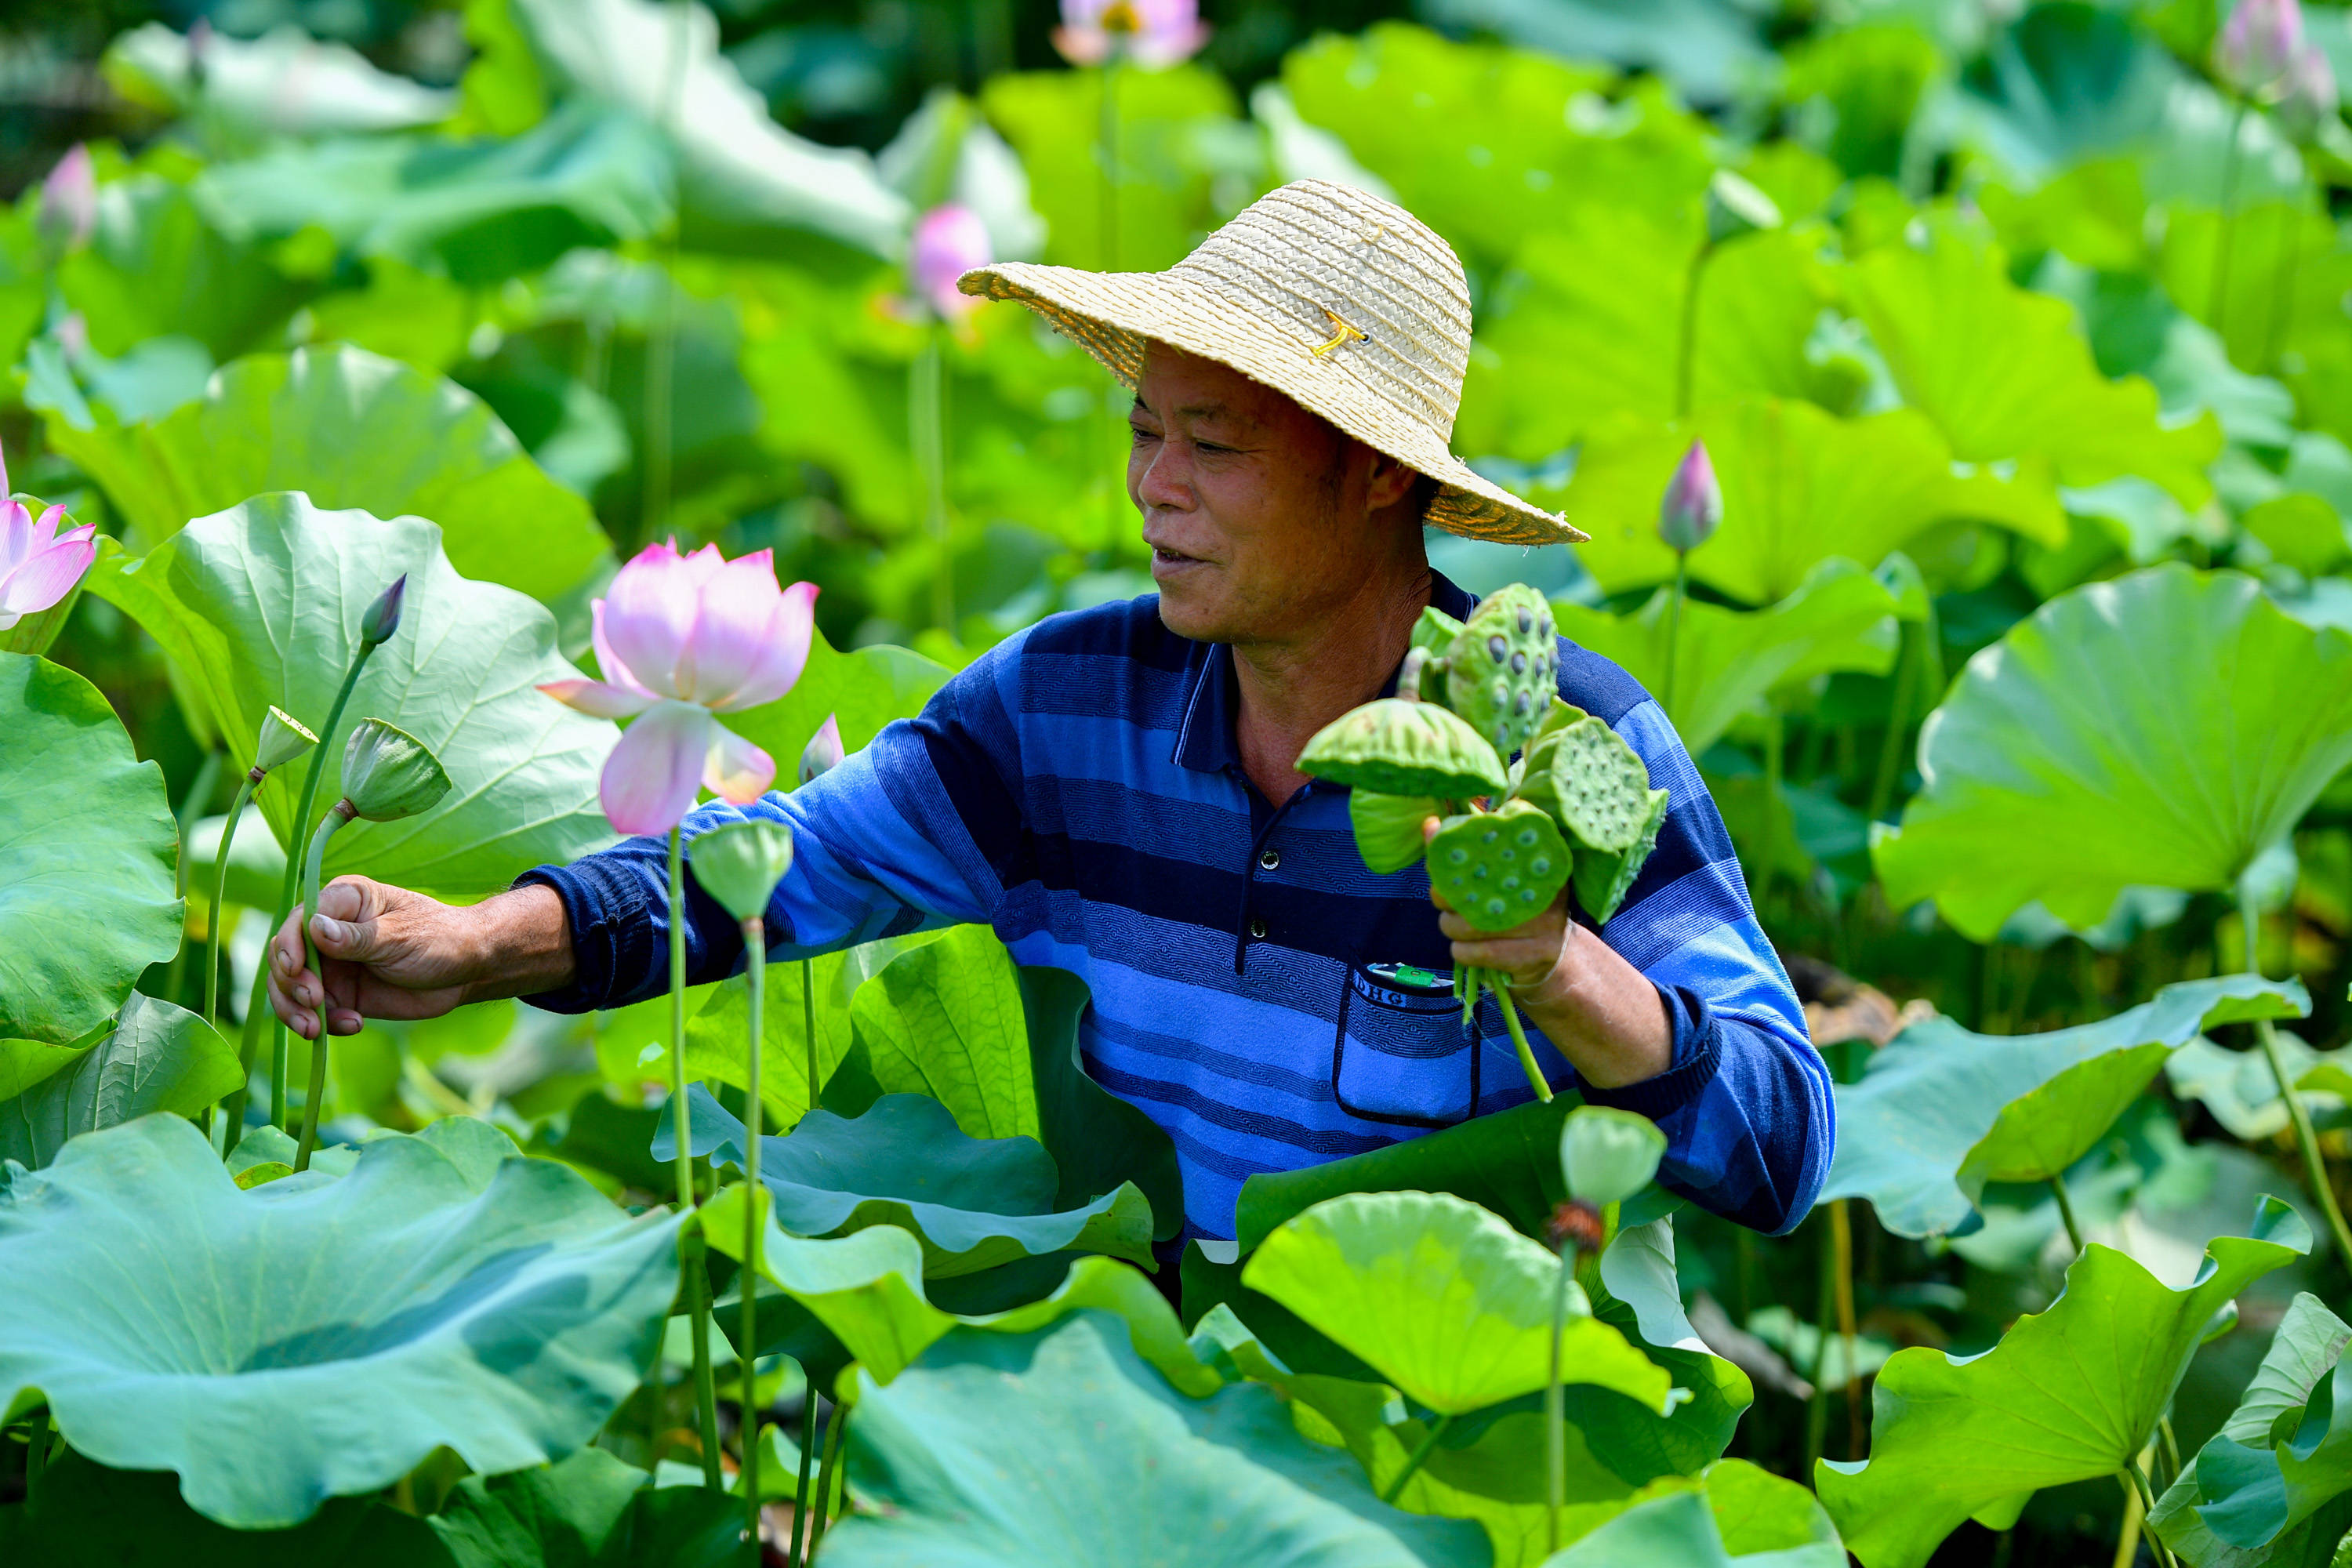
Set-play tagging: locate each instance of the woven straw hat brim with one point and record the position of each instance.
(1114, 314)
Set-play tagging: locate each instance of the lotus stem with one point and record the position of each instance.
(927, 417)
(257, 1009)
(794, 1548)
(1817, 1407)
(2127, 1537)
(2066, 1210)
(2314, 1164)
(2216, 299)
(200, 790)
(698, 1281)
(213, 920)
(834, 1431)
(36, 1454)
(1841, 1253)
(337, 815)
(1687, 337)
(755, 971)
(295, 835)
(1108, 152)
(1413, 1461)
(1556, 1405)
(661, 342)
(1675, 631)
(1890, 750)
(808, 1027)
(1520, 1038)
(2170, 1448)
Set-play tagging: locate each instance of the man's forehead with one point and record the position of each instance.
(1180, 386)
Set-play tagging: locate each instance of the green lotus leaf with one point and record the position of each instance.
(1725, 661)
(261, 605)
(2250, 1458)
(155, 267)
(1937, 1094)
(284, 83)
(256, 865)
(861, 690)
(997, 1449)
(587, 1511)
(973, 1203)
(2161, 729)
(504, 1321)
(350, 430)
(1799, 486)
(1405, 748)
(868, 1289)
(87, 893)
(1736, 1513)
(1388, 826)
(477, 211)
(1500, 677)
(155, 1057)
(1931, 310)
(2068, 1394)
(1446, 1302)
(1500, 868)
(945, 1020)
(717, 1031)
(2239, 1089)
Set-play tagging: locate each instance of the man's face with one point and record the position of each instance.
(1257, 511)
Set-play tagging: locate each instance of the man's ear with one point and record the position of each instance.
(1388, 481)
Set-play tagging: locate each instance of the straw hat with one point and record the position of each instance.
(1346, 304)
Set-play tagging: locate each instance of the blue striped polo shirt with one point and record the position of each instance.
(1257, 992)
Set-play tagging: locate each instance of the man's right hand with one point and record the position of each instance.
(392, 954)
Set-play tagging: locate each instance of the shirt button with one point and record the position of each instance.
(1268, 859)
(1257, 930)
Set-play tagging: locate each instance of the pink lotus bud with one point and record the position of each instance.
(824, 752)
(2308, 99)
(1693, 503)
(69, 200)
(1152, 33)
(949, 241)
(2257, 46)
(382, 619)
(680, 639)
(39, 567)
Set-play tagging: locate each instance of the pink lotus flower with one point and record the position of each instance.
(1151, 33)
(824, 752)
(949, 241)
(39, 567)
(2257, 46)
(69, 200)
(1693, 504)
(681, 638)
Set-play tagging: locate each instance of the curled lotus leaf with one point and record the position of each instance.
(1502, 670)
(1500, 868)
(1388, 826)
(1404, 748)
(318, 1335)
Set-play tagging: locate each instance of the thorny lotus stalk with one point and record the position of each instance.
(337, 815)
(698, 1283)
(2314, 1164)
(755, 974)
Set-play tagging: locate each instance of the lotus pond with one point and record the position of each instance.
(353, 350)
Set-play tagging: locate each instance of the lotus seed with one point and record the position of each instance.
(1518, 664)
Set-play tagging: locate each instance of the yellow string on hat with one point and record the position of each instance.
(1340, 333)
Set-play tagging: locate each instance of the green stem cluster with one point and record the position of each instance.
(691, 1245)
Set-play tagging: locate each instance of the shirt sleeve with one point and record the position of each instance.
(1746, 1105)
(912, 833)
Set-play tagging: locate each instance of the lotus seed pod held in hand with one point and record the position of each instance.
(283, 738)
(824, 752)
(1602, 879)
(1502, 671)
(1404, 748)
(741, 864)
(1693, 504)
(1599, 787)
(1735, 207)
(383, 617)
(1500, 868)
(388, 774)
(1388, 826)
(1607, 1156)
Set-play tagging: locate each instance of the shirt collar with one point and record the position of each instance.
(1205, 740)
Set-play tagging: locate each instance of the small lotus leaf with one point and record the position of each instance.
(173, 1322)
(156, 1057)
(1444, 1300)
(1405, 748)
(1388, 826)
(1501, 672)
(2068, 1394)
(1500, 868)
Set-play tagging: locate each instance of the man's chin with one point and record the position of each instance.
(1188, 611)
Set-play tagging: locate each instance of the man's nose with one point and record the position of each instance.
(1163, 481)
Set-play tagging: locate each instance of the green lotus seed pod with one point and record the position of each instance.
(741, 864)
(1604, 880)
(1388, 826)
(1397, 747)
(1500, 868)
(1502, 671)
(1607, 1156)
(388, 774)
(1599, 789)
(283, 738)
(1432, 638)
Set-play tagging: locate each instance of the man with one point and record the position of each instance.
(1116, 791)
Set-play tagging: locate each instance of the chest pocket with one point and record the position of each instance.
(1402, 1054)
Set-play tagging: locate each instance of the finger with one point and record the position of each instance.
(345, 982)
(289, 1012)
(345, 925)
